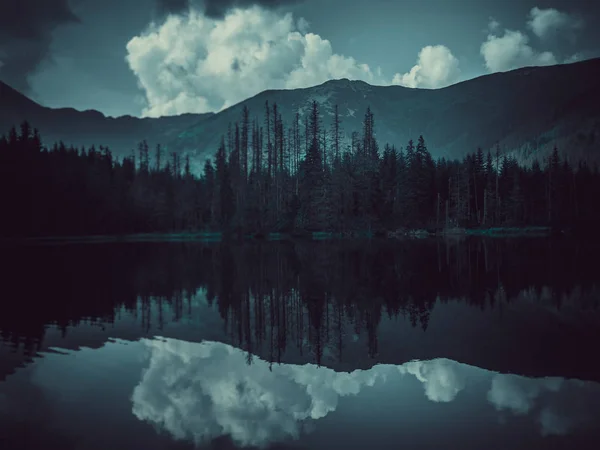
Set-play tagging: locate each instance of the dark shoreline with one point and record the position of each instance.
(276, 236)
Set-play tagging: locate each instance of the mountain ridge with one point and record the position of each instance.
(121, 134)
(525, 112)
(553, 105)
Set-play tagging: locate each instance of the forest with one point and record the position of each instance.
(298, 178)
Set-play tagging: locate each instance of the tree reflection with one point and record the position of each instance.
(311, 296)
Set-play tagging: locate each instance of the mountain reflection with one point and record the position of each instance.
(202, 391)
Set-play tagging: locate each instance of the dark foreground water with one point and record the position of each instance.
(383, 344)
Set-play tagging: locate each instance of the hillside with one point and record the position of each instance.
(525, 111)
(89, 127)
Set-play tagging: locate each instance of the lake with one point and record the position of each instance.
(427, 343)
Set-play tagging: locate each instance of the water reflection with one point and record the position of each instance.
(323, 344)
(346, 305)
(166, 393)
(200, 392)
(27, 420)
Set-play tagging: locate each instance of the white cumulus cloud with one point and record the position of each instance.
(191, 63)
(436, 67)
(511, 51)
(549, 22)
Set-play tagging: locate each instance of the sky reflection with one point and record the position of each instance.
(199, 392)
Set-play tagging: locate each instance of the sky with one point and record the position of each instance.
(151, 58)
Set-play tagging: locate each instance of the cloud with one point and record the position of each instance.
(518, 394)
(558, 405)
(493, 25)
(166, 7)
(216, 9)
(303, 25)
(576, 57)
(191, 63)
(199, 392)
(25, 33)
(441, 378)
(511, 51)
(579, 56)
(550, 22)
(436, 67)
(554, 423)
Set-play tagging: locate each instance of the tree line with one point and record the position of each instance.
(269, 177)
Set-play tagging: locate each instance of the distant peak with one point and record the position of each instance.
(345, 81)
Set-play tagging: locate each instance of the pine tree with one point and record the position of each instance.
(335, 133)
(187, 170)
(479, 183)
(267, 128)
(489, 198)
(225, 200)
(424, 178)
(144, 157)
(244, 143)
(311, 185)
(276, 140)
(158, 156)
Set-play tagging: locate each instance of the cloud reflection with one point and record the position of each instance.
(554, 423)
(203, 391)
(518, 394)
(200, 392)
(442, 378)
(558, 406)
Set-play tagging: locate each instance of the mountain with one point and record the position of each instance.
(79, 128)
(526, 111)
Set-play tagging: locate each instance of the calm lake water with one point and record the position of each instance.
(427, 344)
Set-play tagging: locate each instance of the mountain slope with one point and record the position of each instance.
(525, 111)
(79, 128)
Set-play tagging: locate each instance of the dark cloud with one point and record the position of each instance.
(25, 34)
(216, 8)
(166, 7)
(26, 28)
